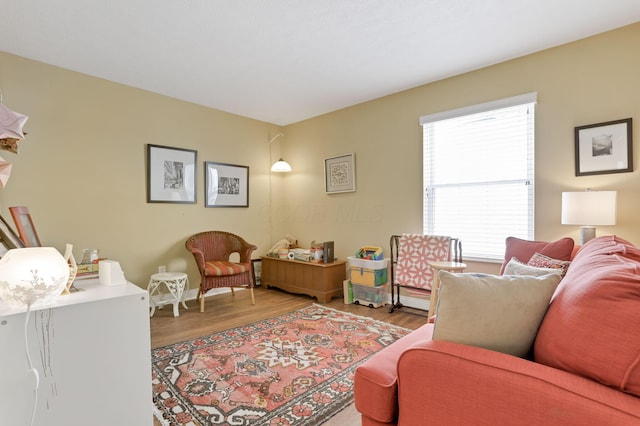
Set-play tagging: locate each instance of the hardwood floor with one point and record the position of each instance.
(225, 311)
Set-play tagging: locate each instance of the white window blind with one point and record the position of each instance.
(479, 174)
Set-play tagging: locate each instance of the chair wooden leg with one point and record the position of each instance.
(202, 303)
(253, 300)
(198, 296)
(233, 293)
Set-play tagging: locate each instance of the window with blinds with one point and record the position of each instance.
(479, 174)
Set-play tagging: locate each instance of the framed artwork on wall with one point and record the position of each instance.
(226, 185)
(171, 174)
(340, 174)
(8, 238)
(24, 224)
(604, 148)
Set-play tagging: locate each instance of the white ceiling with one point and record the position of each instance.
(282, 61)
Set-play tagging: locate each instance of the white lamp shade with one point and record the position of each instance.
(281, 166)
(592, 208)
(32, 276)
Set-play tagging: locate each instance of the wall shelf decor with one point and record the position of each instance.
(604, 148)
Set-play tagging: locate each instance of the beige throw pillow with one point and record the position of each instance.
(515, 267)
(500, 313)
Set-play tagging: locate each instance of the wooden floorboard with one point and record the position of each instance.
(225, 311)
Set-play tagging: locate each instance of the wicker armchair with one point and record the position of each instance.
(212, 251)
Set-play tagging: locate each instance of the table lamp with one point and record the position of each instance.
(588, 209)
(32, 276)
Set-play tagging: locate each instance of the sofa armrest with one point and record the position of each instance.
(447, 383)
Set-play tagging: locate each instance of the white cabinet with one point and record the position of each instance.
(92, 353)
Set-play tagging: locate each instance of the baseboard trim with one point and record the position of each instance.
(192, 294)
(412, 302)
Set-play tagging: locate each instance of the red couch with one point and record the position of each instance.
(584, 368)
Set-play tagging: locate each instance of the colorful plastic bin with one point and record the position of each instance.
(368, 272)
(370, 253)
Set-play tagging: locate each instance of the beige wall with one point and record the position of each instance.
(589, 81)
(81, 169)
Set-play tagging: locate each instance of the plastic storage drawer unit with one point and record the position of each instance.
(373, 297)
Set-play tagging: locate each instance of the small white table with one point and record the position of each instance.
(175, 282)
(438, 266)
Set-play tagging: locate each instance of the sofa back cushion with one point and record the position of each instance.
(592, 325)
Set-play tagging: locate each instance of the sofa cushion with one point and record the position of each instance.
(376, 380)
(523, 250)
(591, 327)
(515, 267)
(500, 313)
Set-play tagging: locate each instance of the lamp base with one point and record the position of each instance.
(587, 233)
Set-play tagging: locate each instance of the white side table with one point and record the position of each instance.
(438, 266)
(175, 282)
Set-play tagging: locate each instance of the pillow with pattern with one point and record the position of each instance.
(541, 261)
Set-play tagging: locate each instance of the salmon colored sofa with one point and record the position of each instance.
(583, 369)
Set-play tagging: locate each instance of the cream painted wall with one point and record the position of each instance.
(82, 168)
(589, 81)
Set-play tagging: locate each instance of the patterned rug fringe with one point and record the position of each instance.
(158, 415)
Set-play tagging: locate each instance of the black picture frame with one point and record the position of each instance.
(256, 270)
(226, 185)
(604, 148)
(171, 175)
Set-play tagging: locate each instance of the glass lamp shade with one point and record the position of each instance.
(281, 166)
(32, 276)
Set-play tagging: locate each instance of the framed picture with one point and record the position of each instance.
(24, 224)
(340, 174)
(171, 175)
(8, 238)
(227, 185)
(256, 266)
(604, 148)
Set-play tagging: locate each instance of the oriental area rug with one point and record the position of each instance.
(295, 369)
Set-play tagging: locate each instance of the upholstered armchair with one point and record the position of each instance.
(212, 251)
